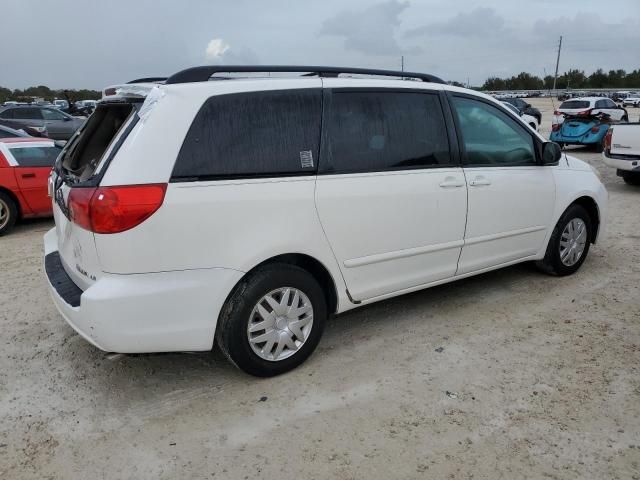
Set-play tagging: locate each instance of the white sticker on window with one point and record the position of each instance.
(306, 159)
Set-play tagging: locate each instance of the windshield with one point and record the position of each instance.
(574, 104)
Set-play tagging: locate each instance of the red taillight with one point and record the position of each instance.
(79, 203)
(114, 209)
(555, 127)
(607, 139)
(595, 129)
(557, 112)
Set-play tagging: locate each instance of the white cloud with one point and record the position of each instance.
(370, 30)
(216, 48)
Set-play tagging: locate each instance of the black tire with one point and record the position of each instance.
(631, 178)
(7, 204)
(624, 119)
(599, 147)
(551, 263)
(231, 332)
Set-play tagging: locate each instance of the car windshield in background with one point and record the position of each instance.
(571, 104)
(35, 156)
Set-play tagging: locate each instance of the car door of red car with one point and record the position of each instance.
(34, 165)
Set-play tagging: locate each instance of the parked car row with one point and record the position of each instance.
(46, 121)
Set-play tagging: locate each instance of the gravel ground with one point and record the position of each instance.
(512, 374)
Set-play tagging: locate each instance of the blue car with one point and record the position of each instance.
(581, 130)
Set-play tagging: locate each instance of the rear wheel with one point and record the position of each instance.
(273, 320)
(8, 213)
(569, 243)
(599, 147)
(624, 119)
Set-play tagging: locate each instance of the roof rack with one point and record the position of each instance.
(204, 73)
(148, 80)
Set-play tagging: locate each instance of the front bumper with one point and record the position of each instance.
(142, 313)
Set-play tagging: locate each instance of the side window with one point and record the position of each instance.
(35, 156)
(253, 134)
(27, 113)
(50, 114)
(610, 103)
(490, 137)
(377, 131)
(601, 104)
(7, 113)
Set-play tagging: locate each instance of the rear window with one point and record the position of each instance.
(82, 156)
(263, 134)
(377, 131)
(35, 156)
(574, 104)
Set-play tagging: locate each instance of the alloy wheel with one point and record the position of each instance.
(573, 241)
(280, 324)
(4, 214)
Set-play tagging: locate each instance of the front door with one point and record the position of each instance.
(34, 165)
(390, 195)
(511, 196)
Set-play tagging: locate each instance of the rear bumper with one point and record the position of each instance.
(142, 313)
(630, 165)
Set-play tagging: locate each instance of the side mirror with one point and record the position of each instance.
(551, 153)
(527, 105)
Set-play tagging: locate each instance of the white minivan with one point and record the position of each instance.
(245, 211)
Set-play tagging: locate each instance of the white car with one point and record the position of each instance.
(622, 151)
(528, 119)
(631, 101)
(276, 202)
(589, 106)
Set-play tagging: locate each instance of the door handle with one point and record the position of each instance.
(451, 182)
(28, 175)
(479, 181)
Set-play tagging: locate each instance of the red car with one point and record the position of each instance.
(25, 165)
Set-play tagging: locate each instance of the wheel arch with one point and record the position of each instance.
(312, 265)
(591, 206)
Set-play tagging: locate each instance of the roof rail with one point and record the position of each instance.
(204, 73)
(148, 80)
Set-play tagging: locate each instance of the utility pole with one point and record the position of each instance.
(402, 63)
(555, 78)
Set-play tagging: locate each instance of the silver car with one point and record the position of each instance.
(48, 120)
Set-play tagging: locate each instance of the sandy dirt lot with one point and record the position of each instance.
(511, 374)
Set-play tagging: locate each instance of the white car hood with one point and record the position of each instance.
(572, 163)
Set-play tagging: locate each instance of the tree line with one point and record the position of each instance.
(46, 93)
(614, 79)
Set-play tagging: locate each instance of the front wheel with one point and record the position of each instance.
(273, 320)
(569, 243)
(8, 213)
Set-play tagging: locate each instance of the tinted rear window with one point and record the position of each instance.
(574, 104)
(376, 131)
(35, 156)
(253, 134)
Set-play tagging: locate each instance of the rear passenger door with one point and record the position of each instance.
(609, 107)
(390, 193)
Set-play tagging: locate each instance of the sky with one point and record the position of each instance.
(95, 43)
